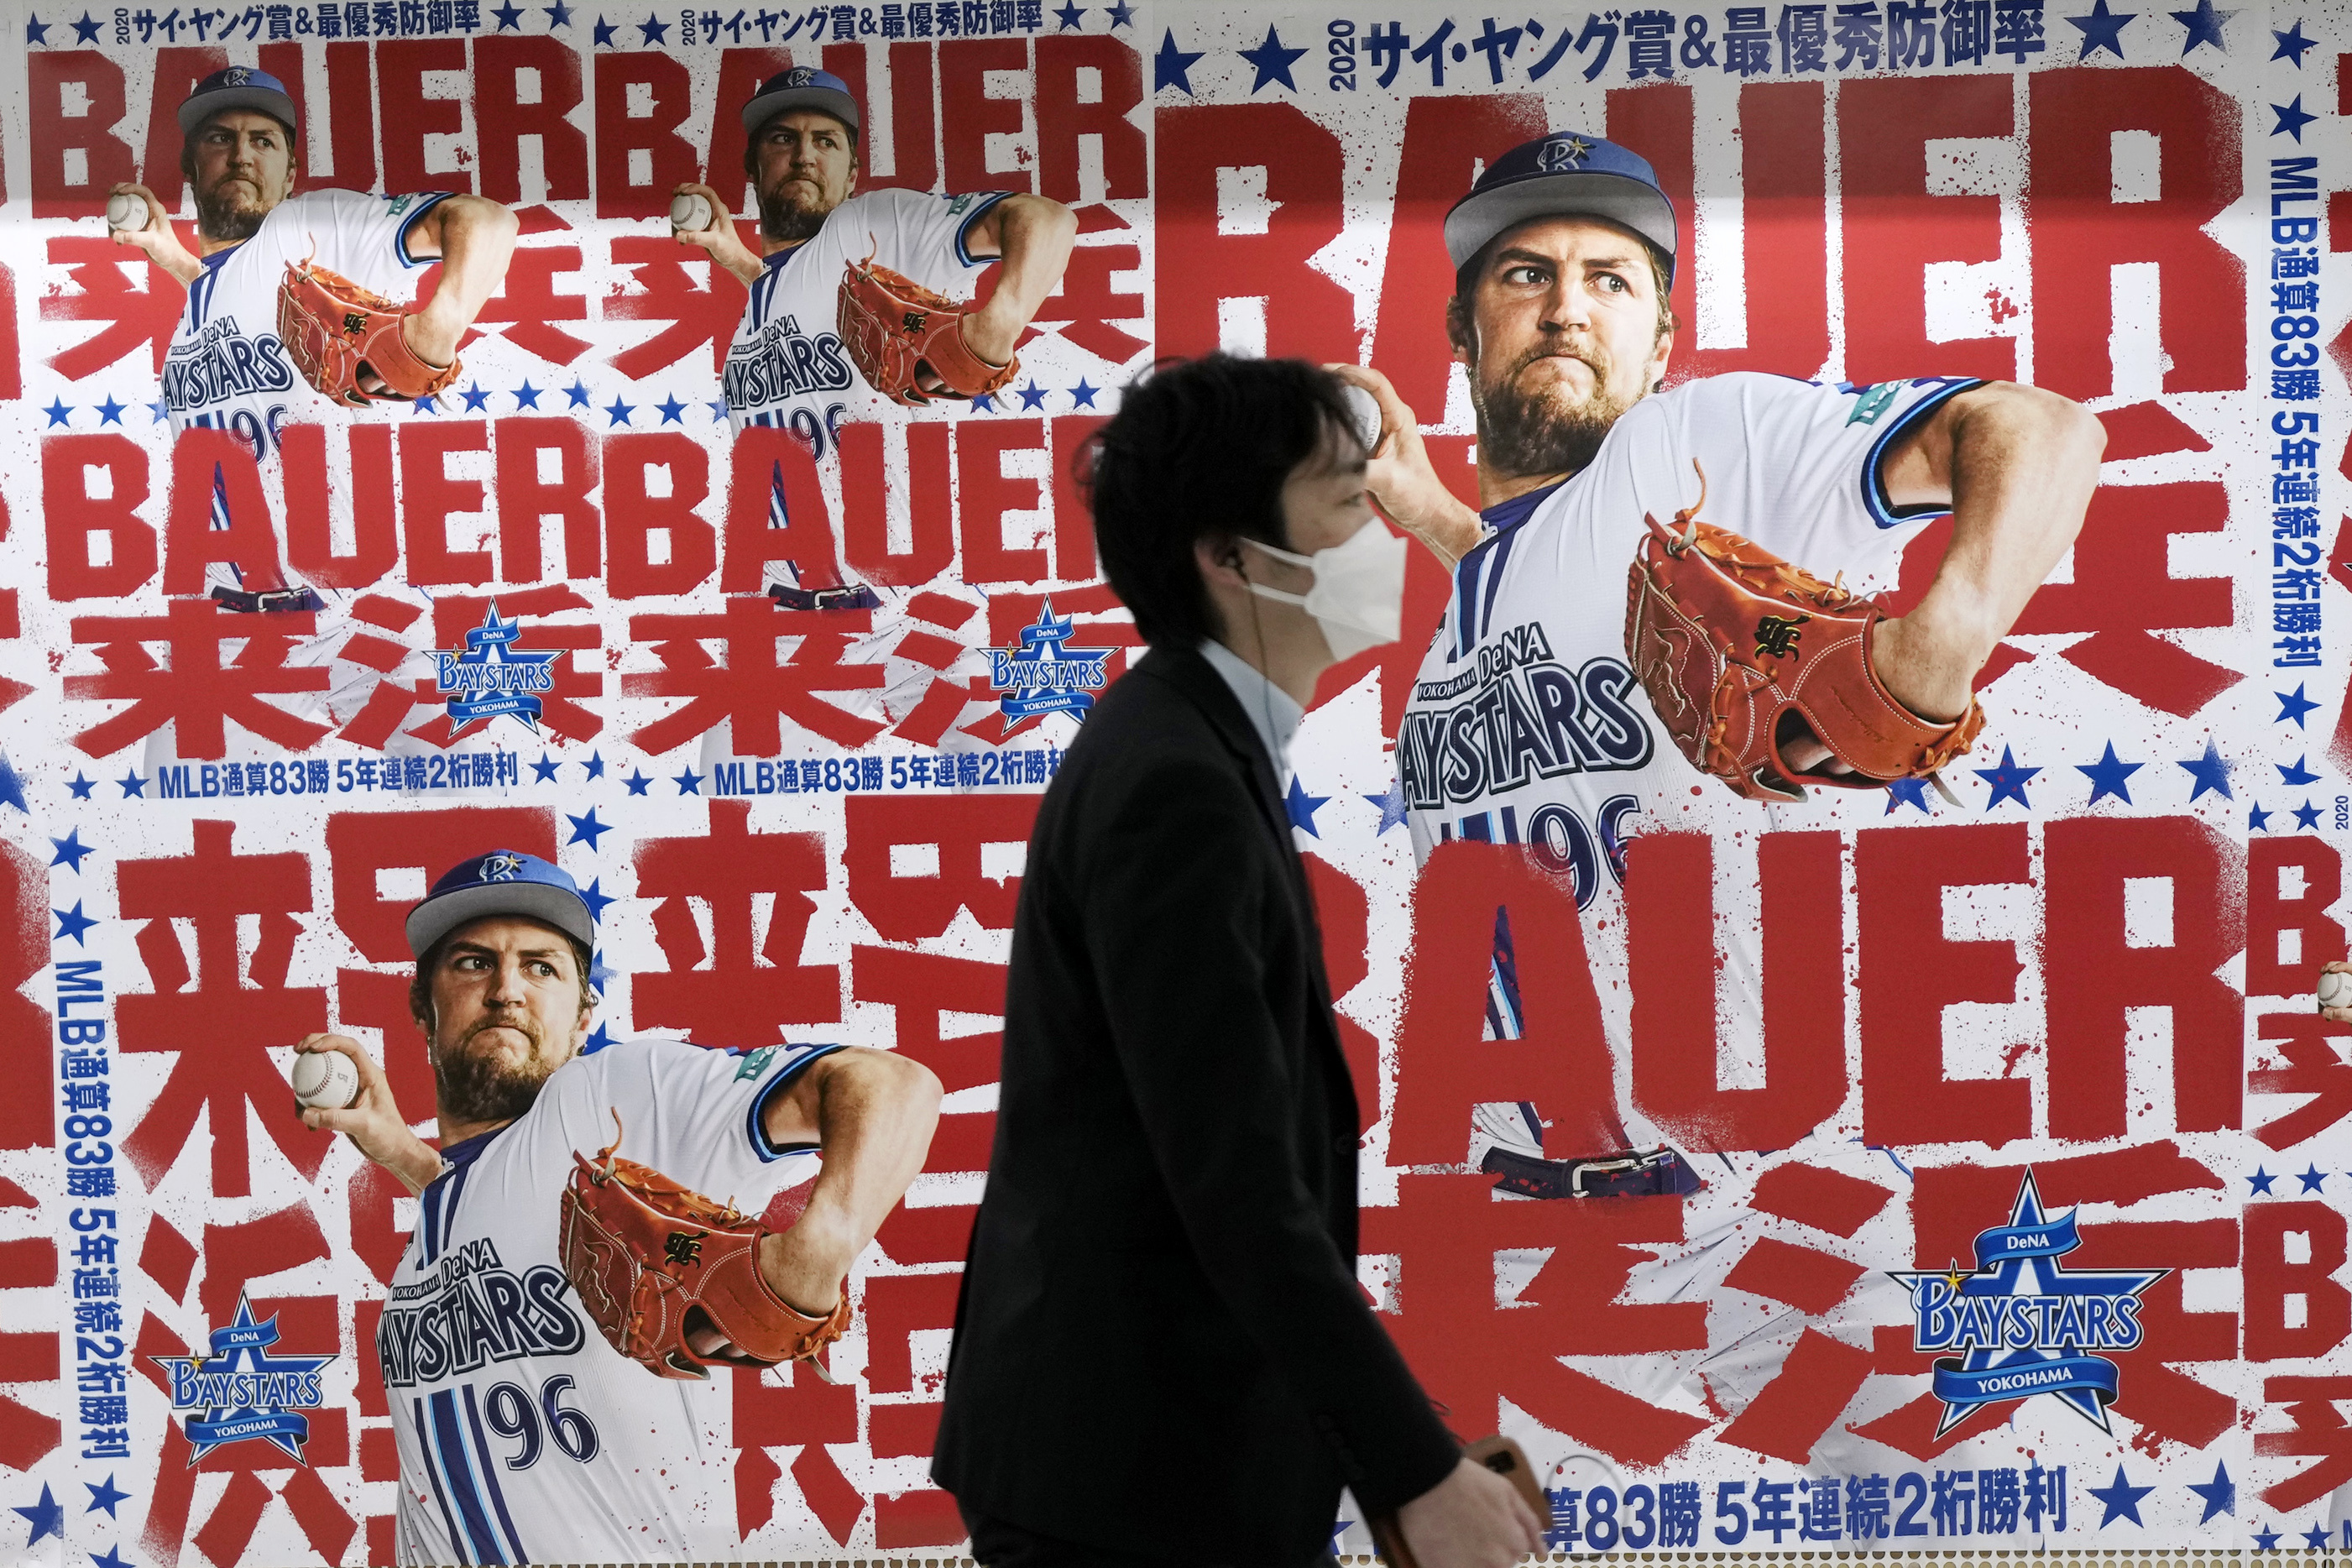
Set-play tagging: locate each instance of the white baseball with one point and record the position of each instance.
(326, 1080)
(124, 210)
(688, 212)
(2336, 989)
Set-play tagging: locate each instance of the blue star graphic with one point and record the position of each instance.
(2311, 1178)
(36, 32)
(58, 412)
(2261, 1179)
(2258, 820)
(104, 1495)
(1069, 15)
(578, 393)
(85, 32)
(2024, 1257)
(1911, 791)
(596, 1041)
(478, 398)
(1391, 805)
(2008, 781)
(47, 1517)
(2315, 1538)
(588, 828)
(2299, 774)
(595, 898)
(594, 765)
(2204, 26)
(111, 411)
(1031, 395)
(429, 403)
(72, 922)
(636, 781)
(157, 413)
(619, 412)
(558, 15)
(2121, 1500)
(2292, 117)
(2107, 776)
(2266, 1540)
(2211, 771)
(718, 407)
(70, 849)
(605, 31)
(657, 31)
(111, 1558)
(2306, 815)
(671, 410)
(2294, 707)
(2292, 44)
(1272, 61)
(1170, 65)
(81, 787)
(2220, 1493)
(1082, 396)
(599, 972)
(688, 781)
(509, 17)
(242, 1347)
(984, 403)
(1303, 806)
(525, 396)
(12, 788)
(1121, 14)
(545, 768)
(2102, 29)
(133, 784)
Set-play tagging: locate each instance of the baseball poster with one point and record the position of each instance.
(621, 468)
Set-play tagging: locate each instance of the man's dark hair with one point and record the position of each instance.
(751, 143)
(188, 143)
(420, 984)
(1201, 448)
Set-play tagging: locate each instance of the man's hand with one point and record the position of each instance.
(720, 240)
(1403, 482)
(373, 1121)
(155, 238)
(1472, 1519)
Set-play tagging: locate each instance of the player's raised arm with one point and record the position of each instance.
(372, 1120)
(475, 238)
(1403, 482)
(2017, 465)
(871, 1115)
(711, 227)
(149, 231)
(1033, 236)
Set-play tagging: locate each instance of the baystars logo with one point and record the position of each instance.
(503, 866)
(1044, 675)
(2024, 1324)
(240, 1390)
(491, 676)
(1564, 154)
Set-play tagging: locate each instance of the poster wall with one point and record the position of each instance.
(2024, 1182)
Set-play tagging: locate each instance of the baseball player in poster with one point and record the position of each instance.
(270, 263)
(807, 339)
(577, 1264)
(1531, 723)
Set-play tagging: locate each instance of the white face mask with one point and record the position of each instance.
(1358, 598)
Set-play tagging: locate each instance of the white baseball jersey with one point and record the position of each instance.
(787, 367)
(225, 369)
(524, 1437)
(1527, 724)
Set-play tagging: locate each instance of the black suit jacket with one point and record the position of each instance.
(1160, 1343)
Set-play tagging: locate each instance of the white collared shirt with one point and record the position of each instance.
(1273, 712)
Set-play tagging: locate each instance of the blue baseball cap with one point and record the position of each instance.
(239, 87)
(1564, 175)
(502, 882)
(803, 87)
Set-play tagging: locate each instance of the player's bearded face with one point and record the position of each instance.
(507, 1012)
(244, 166)
(1529, 424)
(807, 165)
